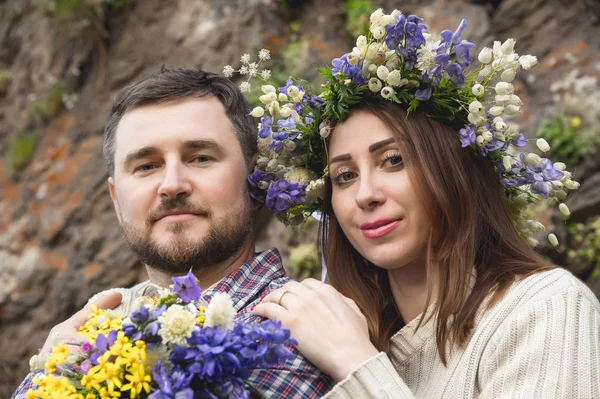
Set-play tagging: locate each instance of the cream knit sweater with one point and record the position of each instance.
(542, 340)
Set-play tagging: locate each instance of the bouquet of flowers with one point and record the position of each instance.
(173, 346)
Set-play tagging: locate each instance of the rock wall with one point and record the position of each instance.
(59, 237)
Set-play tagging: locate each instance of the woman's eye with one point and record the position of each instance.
(393, 161)
(344, 177)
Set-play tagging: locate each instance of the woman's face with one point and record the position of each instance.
(373, 196)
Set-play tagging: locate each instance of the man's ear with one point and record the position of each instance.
(255, 204)
(113, 197)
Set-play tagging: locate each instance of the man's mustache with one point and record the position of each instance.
(178, 204)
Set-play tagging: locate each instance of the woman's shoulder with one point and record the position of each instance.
(546, 285)
(548, 299)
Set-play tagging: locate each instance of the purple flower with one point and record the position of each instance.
(282, 194)
(86, 347)
(467, 135)
(406, 37)
(254, 180)
(140, 316)
(174, 385)
(85, 366)
(354, 72)
(265, 127)
(423, 94)
(185, 287)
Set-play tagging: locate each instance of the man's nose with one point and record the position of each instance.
(175, 181)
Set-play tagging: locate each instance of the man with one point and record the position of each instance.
(179, 146)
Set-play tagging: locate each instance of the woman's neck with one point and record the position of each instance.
(409, 289)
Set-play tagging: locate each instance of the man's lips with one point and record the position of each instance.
(176, 216)
(379, 228)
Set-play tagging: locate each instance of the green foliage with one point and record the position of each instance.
(4, 80)
(585, 245)
(20, 152)
(357, 16)
(340, 96)
(51, 105)
(305, 261)
(570, 140)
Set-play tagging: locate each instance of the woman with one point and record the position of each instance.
(439, 293)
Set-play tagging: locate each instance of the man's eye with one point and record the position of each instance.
(201, 159)
(145, 168)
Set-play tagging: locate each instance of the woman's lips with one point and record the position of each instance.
(379, 228)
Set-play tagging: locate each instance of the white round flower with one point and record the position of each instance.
(542, 145)
(245, 87)
(220, 312)
(396, 14)
(483, 73)
(478, 90)
(176, 325)
(485, 55)
(387, 92)
(527, 61)
(257, 112)
(245, 59)
(293, 91)
(508, 46)
(253, 69)
(268, 89)
(508, 75)
(560, 166)
(372, 51)
(426, 56)
(571, 184)
(372, 68)
(374, 85)
(325, 131)
(377, 31)
(504, 88)
(497, 110)
(282, 98)
(353, 59)
(387, 20)
(243, 70)
(480, 141)
(474, 118)
(476, 107)
(394, 78)
(514, 100)
(512, 110)
(377, 15)
(533, 159)
(500, 125)
(361, 43)
(564, 209)
(228, 71)
(268, 98)
(285, 111)
(315, 190)
(273, 108)
(487, 136)
(383, 72)
(264, 55)
(507, 163)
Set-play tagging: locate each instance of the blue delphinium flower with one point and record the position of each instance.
(467, 135)
(283, 194)
(173, 385)
(254, 180)
(423, 94)
(186, 288)
(265, 127)
(354, 72)
(406, 37)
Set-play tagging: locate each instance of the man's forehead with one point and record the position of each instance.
(173, 124)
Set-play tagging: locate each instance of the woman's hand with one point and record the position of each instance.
(330, 329)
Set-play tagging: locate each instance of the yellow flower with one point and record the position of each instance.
(138, 381)
(575, 121)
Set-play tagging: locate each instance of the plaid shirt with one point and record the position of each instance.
(296, 378)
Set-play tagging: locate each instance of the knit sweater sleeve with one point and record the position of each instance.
(550, 348)
(376, 378)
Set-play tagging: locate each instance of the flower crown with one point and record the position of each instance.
(400, 61)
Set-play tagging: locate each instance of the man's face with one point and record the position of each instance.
(179, 186)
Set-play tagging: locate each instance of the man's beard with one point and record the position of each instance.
(225, 238)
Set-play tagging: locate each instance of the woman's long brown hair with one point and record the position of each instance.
(471, 225)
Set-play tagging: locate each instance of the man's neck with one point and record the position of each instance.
(210, 275)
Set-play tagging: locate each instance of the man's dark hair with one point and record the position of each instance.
(170, 85)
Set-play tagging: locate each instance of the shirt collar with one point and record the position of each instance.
(246, 283)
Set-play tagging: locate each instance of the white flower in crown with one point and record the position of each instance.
(220, 312)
